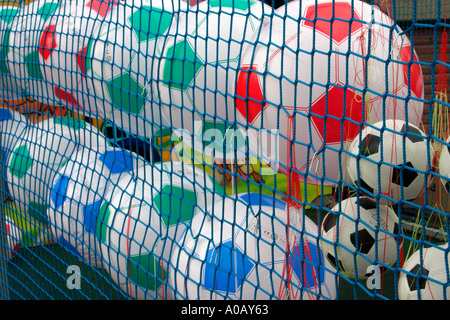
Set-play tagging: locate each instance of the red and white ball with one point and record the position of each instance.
(319, 69)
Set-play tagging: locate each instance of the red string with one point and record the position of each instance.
(442, 71)
(293, 199)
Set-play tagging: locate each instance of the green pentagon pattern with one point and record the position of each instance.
(241, 5)
(127, 94)
(101, 229)
(21, 161)
(48, 9)
(148, 23)
(175, 204)
(32, 65)
(183, 65)
(4, 50)
(70, 122)
(38, 211)
(8, 14)
(146, 270)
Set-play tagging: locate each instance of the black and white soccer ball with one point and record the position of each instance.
(425, 275)
(358, 233)
(390, 159)
(444, 165)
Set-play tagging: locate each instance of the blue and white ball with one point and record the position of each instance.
(240, 251)
(142, 220)
(37, 157)
(77, 193)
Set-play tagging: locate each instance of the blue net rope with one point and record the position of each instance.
(243, 150)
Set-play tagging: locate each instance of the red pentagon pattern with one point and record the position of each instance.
(102, 6)
(340, 14)
(81, 60)
(47, 42)
(249, 95)
(66, 97)
(412, 75)
(353, 111)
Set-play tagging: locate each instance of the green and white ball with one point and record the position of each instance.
(77, 193)
(63, 46)
(200, 58)
(142, 220)
(35, 160)
(120, 62)
(24, 47)
(10, 89)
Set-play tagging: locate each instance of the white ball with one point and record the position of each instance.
(37, 157)
(10, 89)
(199, 60)
(24, 44)
(77, 193)
(141, 221)
(120, 63)
(239, 251)
(63, 43)
(13, 126)
(357, 234)
(444, 164)
(300, 82)
(389, 159)
(425, 275)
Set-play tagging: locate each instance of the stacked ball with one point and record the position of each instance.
(78, 191)
(388, 164)
(38, 155)
(149, 66)
(142, 220)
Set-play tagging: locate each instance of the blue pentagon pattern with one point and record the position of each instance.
(227, 268)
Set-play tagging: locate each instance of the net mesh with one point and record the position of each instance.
(225, 149)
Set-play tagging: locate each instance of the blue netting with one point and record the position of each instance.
(230, 149)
